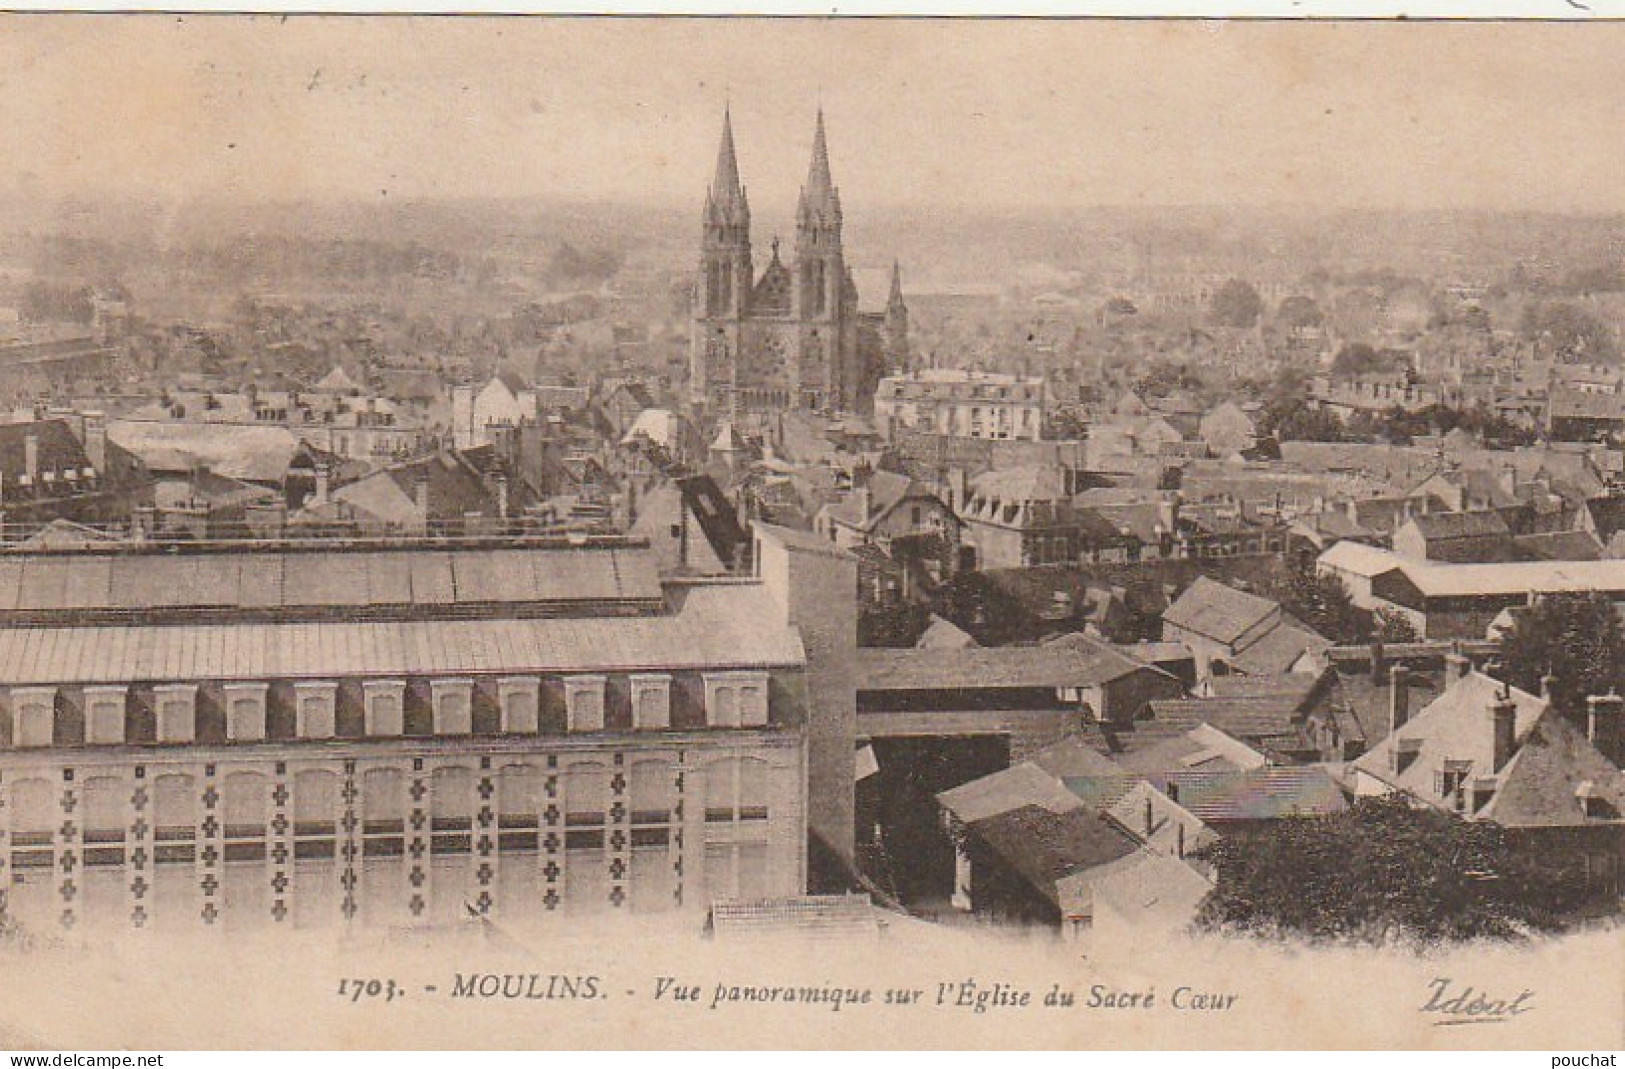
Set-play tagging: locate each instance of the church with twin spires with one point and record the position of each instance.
(792, 337)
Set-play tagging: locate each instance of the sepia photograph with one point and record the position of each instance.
(542, 532)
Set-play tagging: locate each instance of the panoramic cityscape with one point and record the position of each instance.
(837, 521)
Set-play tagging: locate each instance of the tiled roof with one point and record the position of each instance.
(1007, 790)
(1045, 847)
(1152, 890)
(997, 667)
(1258, 794)
(1560, 545)
(1252, 716)
(1278, 649)
(1541, 786)
(1217, 611)
(56, 451)
(1454, 727)
(1483, 523)
(820, 917)
(725, 626)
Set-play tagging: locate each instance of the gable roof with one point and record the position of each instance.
(57, 450)
(1542, 785)
(1279, 649)
(1217, 611)
(1045, 847)
(1267, 793)
(1454, 727)
(1442, 526)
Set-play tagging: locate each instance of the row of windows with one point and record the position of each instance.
(584, 805)
(732, 699)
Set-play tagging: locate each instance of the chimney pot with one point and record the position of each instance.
(1399, 698)
(1504, 725)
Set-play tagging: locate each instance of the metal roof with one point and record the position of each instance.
(725, 626)
(290, 579)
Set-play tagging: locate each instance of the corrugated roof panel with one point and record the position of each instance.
(86, 584)
(324, 579)
(217, 580)
(723, 627)
(259, 579)
(142, 582)
(389, 578)
(499, 575)
(11, 581)
(638, 573)
(432, 582)
(42, 584)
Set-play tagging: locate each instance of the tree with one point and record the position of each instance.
(1386, 870)
(1321, 601)
(1573, 333)
(1298, 311)
(1574, 637)
(1236, 304)
(1391, 626)
(1358, 358)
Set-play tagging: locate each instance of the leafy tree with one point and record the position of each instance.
(1236, 304)
(1573, 333)
(1358, 358)
(1391, 626)
(1321, 601)
(1575, 637)
(1299, 311)
(1386, 870)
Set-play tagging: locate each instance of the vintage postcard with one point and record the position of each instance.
(538, 532)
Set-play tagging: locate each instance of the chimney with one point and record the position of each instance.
(1547, 683)
(421, 496)
(1168, 513)
(1399, 698)
(1456, 665)
(1148, 820)
(1509, 478)
(864, 497)
(502, 496)
(96, 441)
(1352, 509)
(31, 458)
(324, 477)
(1504, 725)
(1603, 723)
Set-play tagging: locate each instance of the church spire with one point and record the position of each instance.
(819, 183)
(725, 187)
(896, 296)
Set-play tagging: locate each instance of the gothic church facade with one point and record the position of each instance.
(792, 337)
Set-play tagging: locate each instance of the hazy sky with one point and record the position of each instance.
(995, 113)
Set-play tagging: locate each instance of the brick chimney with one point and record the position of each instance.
(1399, 698)
(324, 483)
(31, 458)
(420, 494)
(96, 441)
(1456, 665)
(1603, 712)
(1504, 730)
(1168, 513)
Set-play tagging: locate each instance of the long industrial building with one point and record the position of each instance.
(396, 734)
